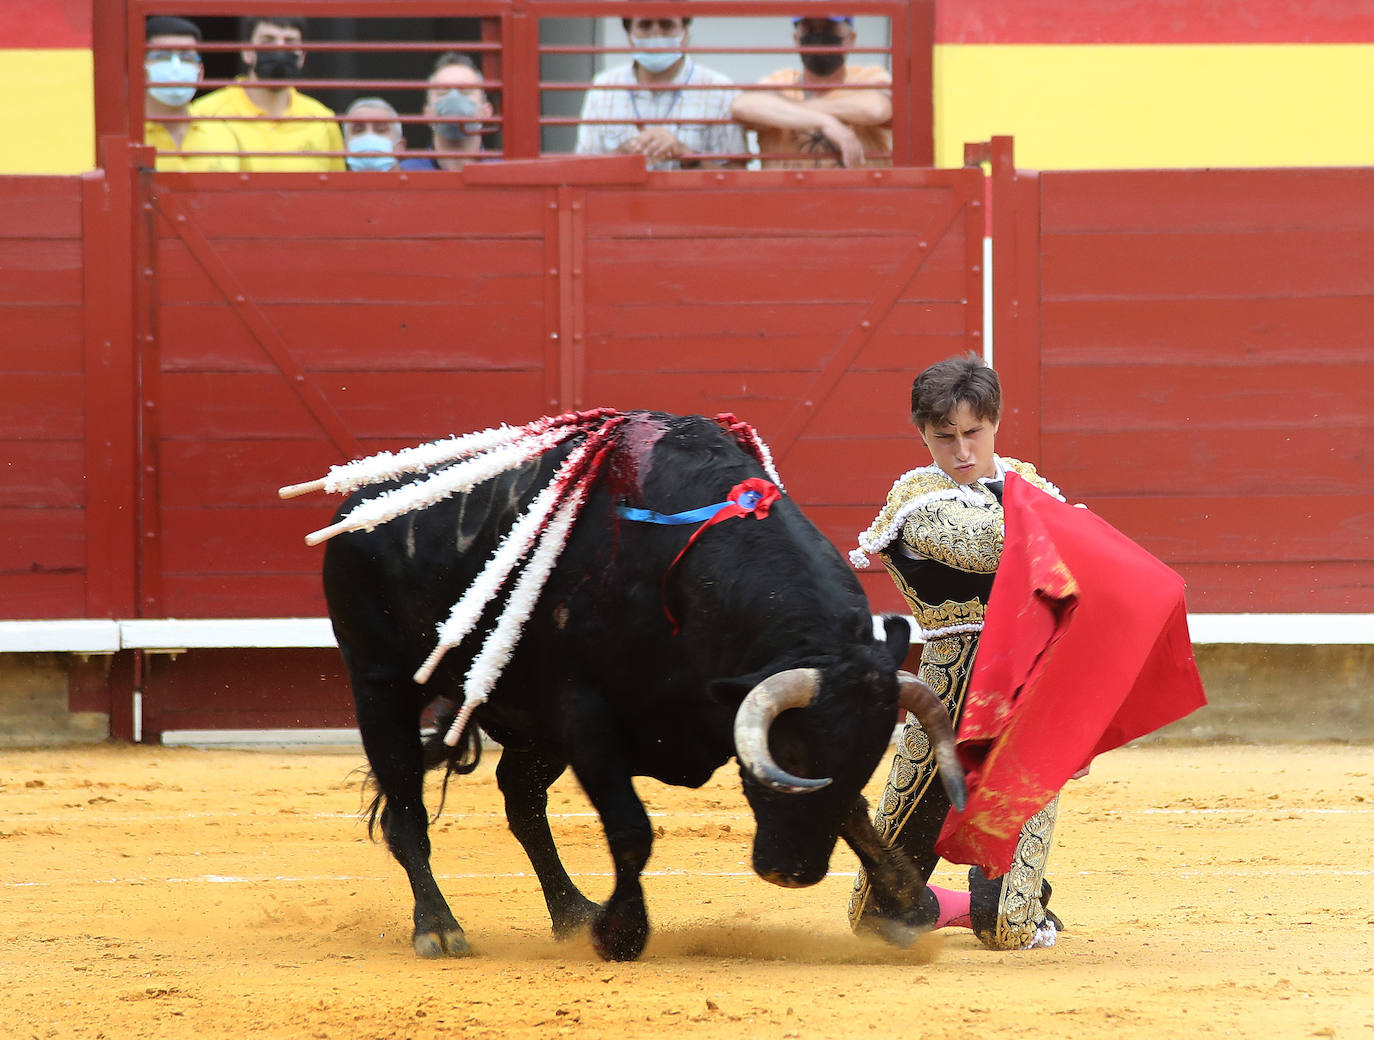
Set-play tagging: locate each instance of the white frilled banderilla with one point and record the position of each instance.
(540, 533)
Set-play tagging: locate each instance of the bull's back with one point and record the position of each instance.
(388, 588)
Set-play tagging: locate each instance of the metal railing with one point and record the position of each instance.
(534, 72)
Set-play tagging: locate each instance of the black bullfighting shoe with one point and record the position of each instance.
(1004, 919)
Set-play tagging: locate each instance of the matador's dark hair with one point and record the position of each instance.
(945, 385)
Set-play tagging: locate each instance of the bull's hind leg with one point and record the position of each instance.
(391, 738)
(524, 778)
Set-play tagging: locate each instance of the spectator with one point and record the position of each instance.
(453, 95)
(809, 117)
(171, 57)
(265, 93)
(371, 133)
(660, 61)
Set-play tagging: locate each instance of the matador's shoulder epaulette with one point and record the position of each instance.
(923, 486)
(1028, 472)
(910, 491)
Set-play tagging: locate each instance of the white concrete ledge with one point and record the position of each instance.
(1259, 629)
(98, 636)
(260, 737)
(77, 636)
(1273, 629)
(206, 633)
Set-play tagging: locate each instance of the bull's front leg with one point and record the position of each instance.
(524, 778)
(620, 928)
(903, 907)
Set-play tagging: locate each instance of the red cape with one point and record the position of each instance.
(1085, 646)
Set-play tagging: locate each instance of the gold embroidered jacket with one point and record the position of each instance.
(941, 541)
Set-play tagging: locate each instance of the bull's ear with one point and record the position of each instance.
(898, 638)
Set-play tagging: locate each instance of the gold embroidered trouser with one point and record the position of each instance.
(913, 808)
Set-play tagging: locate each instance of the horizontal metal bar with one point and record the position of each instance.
(416, 154)
(347, 46)
(587, 48)
(338, 118)
(334, 84)
(547, 9)
(498, 85)
(673, 88)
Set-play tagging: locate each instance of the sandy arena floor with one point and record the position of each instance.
(154, 892)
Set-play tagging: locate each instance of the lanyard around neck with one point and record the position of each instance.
(677, 95)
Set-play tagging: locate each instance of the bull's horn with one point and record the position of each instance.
(923, 702)
(794, 688)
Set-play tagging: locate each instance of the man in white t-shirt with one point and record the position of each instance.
(664, 125)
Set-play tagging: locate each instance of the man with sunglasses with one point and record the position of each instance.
(828, 113)
(171, 58)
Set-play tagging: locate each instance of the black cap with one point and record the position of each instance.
(166, 25)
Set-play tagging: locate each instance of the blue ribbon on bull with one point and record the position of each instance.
(752, 497)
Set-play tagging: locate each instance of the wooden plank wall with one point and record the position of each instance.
(1208, 381)
(42, 425)
(802, 315)
(413, 314)
(419, 313)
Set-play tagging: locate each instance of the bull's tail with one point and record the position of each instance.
(462, 758)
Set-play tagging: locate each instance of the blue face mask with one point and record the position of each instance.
(171, 70)
(455, 105)
(657, 53)
(370, 143)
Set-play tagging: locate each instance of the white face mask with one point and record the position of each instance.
(171, 70)
(371, 152)
(657, 53)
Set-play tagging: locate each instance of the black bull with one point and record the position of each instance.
(600, 681)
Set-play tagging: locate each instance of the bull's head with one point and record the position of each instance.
(848, 713)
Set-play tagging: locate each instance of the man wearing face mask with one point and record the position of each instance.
(809, 117)
(461, 108)
(265, 92)
(619, 115)
(371, 134)
(170, 57)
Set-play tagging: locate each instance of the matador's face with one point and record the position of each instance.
(962, 446)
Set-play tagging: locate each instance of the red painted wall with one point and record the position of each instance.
(42, 399)
(1204, 378)
(1207, 381)
(293, 329)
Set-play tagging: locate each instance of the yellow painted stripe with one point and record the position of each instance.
(1152, 106)
(1068, 107)
(48, 124)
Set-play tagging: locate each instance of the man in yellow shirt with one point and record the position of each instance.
(265, 93)
(171, 57)
(811, 119)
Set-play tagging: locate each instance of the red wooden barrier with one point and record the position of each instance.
(42, 399)
(292, 329)
(1206, 374)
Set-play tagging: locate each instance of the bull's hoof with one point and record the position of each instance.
(447, 943)
(620, 936)
(570, 920)
(902, 934)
